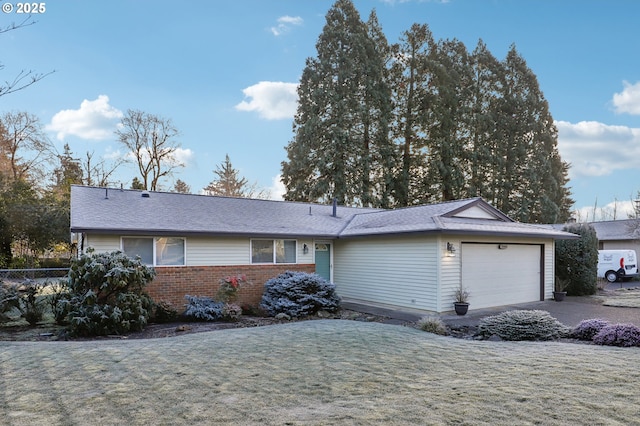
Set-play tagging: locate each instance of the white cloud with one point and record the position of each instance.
(627, 101)
(277, 188)
(285, 23)
(272, 100)
(94, 120)
(597, 149)
(183, 155)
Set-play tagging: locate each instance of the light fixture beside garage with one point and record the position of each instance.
(451, 250)
(502, 246)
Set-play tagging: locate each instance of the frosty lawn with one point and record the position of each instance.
(317, 372)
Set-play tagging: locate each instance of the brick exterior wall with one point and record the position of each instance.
(171, 284)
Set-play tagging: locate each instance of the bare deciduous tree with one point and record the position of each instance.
(24, 78)
(151, 141)
(24, 146)
(99, 172)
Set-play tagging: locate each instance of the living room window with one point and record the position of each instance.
(273, 251)
(161, 251)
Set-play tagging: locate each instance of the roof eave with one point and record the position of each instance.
(466, 232)
(176, 232)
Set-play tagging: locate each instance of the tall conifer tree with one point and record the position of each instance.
(409, 77)
(342, 116)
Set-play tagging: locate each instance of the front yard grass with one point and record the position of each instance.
(317, 372)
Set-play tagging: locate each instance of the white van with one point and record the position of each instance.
(614, 265)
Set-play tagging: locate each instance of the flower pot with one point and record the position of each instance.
(558, 296)
(461, 307)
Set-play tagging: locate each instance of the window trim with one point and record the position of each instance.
(154, 244)
(273, 248)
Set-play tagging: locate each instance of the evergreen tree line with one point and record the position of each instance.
(421, 121)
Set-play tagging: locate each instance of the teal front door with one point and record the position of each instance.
(323, 260)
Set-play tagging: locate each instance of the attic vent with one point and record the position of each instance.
(145, 194)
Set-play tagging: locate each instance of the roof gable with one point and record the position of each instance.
(477, 208)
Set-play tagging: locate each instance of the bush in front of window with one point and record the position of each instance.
(203, 308)
(299, 294)
(206, 309)
(105, 295)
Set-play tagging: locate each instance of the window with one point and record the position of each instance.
(156, 251)
(273, 251)
(142, 247)
(169, 251)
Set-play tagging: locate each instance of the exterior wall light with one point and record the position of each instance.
(451, 250)
(305, 249)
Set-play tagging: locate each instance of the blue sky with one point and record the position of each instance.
(225, 71)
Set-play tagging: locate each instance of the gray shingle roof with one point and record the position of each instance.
(101, 210)
(612, 230)
(628, 229)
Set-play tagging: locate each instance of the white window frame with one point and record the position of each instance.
(273, 247)
(154, 244)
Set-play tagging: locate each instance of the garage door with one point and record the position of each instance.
(500, 274)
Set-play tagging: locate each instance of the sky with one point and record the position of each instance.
(225, 73)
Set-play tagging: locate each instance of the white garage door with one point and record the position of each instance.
(504, 274)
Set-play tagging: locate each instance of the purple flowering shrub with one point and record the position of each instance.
(624, 335)
(588, 328)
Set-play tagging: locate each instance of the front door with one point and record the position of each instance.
(323, 260)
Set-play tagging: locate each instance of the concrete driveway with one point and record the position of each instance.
(570, 312)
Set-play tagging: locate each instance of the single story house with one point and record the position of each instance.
(614, 234)
(414, 257)
(618, 234)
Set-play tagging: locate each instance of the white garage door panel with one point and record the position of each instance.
(497, 277)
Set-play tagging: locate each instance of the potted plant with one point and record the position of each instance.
(461, 305)
(559, 292)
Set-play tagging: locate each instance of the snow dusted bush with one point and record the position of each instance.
(203, 308)
(299, 294)
(231, 311)
(523, 325)
(106, 295)
(588, 328)
(625, 335)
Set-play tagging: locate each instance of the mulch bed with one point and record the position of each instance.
(52, 332)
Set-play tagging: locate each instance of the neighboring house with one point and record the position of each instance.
(615, 234)
(618, 234)
(414, 257)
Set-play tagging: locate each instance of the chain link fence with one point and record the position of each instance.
(39, 275)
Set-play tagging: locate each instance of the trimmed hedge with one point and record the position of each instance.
(523, 325)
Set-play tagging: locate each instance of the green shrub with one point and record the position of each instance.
(577, 260)
(106, 295)
(523, 325)
(432, 325)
